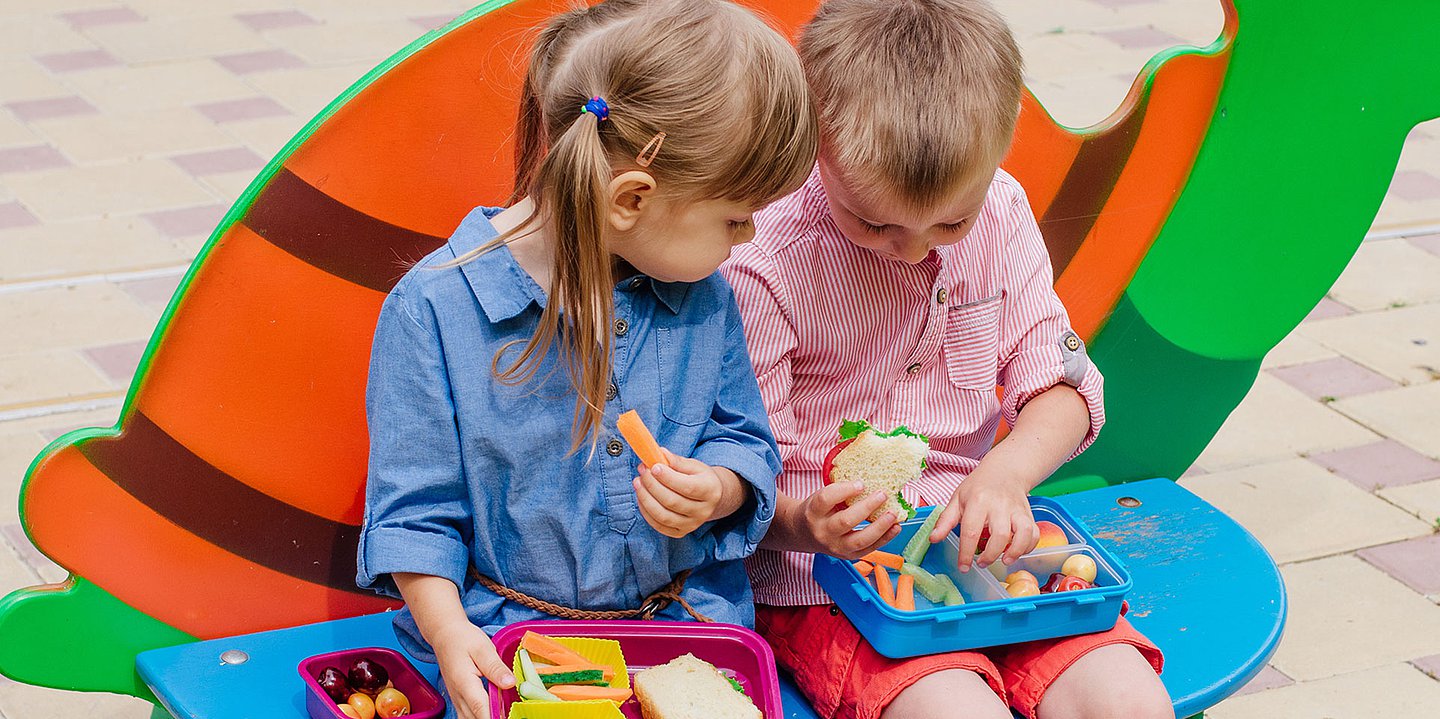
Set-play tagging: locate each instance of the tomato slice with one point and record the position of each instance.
(830, 460)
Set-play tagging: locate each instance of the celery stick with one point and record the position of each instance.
(927, 584)
(952, 592)
(919, 544)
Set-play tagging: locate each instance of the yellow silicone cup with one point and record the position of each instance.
(588, 709)
(602, 652)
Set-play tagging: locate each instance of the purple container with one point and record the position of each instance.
(736, 651)
(425, 702)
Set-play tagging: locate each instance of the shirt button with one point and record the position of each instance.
(621, 327)
(611, 390)
(635, 283)
(614, 447)
(912, 369)
(941, 295)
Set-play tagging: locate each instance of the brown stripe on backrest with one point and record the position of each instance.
(166, 476)
(1087, 187)
(302, 220)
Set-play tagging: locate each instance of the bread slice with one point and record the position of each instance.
(690, 688)
(882, 462)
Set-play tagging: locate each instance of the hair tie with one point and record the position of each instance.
(597, 106)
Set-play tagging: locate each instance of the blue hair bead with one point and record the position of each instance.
(597, 106)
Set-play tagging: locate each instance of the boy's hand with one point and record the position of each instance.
(677, 497)
(988, 500)
(465, 655)
(822, 524)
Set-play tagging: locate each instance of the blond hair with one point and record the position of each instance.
(916, 97)
(728, 93)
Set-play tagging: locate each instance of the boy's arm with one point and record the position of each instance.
(417, 511)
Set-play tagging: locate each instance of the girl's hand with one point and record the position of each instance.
(677, 497)
(827, 526)
(989, 500)
(465, 655)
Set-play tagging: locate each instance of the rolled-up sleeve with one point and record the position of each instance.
(770, 335)
(417, 513)
(1039, 350)
(738, 438)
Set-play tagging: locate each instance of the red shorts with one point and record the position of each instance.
(846, 679)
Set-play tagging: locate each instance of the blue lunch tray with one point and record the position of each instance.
(989, 616)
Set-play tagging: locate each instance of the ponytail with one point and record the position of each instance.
(573, 180)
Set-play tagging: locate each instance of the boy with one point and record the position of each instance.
(902, 284)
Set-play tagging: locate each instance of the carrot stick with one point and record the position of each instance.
(864, 568)
(905, 593)
(882, 583)
(633, 429)
(885, 559)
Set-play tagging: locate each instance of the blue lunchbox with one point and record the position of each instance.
(989, 616)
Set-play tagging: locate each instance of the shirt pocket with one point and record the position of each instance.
(690, 358)
(972, 344)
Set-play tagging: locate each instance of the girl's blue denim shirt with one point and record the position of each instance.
(465, 470)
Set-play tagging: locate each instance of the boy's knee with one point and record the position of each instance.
(949, 694)
(1143, 699)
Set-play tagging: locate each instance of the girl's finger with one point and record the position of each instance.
(693, 488)
(666, 496)
(1027, 535)
(685, 465)
(851, 517)
(972, 524)
(663, 520)
(949, 517)
(873, 537)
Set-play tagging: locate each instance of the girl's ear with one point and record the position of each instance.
(629, 195)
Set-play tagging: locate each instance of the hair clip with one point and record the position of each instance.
(652, 147)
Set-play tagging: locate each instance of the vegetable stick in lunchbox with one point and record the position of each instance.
(883, 585)
(905, 593)
(885, 559)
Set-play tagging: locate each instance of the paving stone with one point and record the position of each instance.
(1328, 308)
(39, 377)
(70, 318)
(1268, 678)
(1394, 690)
(118, 362)
(250, 108)
(1346, 616)
(187, 221)
(1412, 185)
(155, 292)
(1430, 665)
(246, 63)
(1429, 243)
(1332, 378)
(1421, 499)
(1413, 562)
(85, 19)
(115, 136)
(61, 249)
(101, 190)
(431, 22)
(1296, 349)
(1408, 414)
(30, 159)
(1141, 37)
(77, 60)
(227, 187)
(307, 91)
(177, 37)
(346, 41)
(266, 137)
(159, 85)
(275, 19)
(38, 567)
(213, 162)
(23, 701)
(1388, 273)
(44, 109)
(1402, 344)
(1379, 465)
(35, 33)
(1285, 505)
(13, 132)
(1275, 421)
(22, 79)
(14, 214)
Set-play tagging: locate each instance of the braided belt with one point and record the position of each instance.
(657, 601)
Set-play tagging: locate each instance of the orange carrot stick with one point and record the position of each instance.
(882, 583)
(633, 429)
(864, 568)
(885, 559)
(905, 593)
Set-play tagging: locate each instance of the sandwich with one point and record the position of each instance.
(881, 461)
(691, 688)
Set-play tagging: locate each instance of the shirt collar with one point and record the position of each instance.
(501, 286)
(670, 294)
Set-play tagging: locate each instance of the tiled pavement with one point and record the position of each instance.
(127, 128)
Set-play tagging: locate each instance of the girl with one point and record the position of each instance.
(499, 490)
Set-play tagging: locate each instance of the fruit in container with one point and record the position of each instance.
(1079, 565)
(336, 686)
(391, 703)
(362, 704)
(367, 676)
(349, 711)
(1051, 535)
(1022, 588)
(1021, 575)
